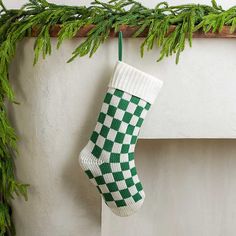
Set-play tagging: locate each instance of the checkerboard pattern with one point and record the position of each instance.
(112, 145)
(118, 125)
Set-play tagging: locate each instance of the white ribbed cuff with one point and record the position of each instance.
(136, 82)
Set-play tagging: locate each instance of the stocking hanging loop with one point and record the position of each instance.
(120, 45)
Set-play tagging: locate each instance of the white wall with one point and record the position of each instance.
(190, 190)
(61, 202)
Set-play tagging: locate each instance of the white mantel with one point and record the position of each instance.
(197, 99)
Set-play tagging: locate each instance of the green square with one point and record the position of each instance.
(135, 99)
(118, 176)
(129, 182)
(138, 111)
(134, 139)
(105, 168)
(127, 117)
(94, 137)
(118, 93)
(137, 197)
(123, 104)
(124, 165)
(130, 129)
(139, 186)
(119, 137)
(101, 117)
(148, 105)
(104, 131)
(125, 193)
(97, 151)
(108, 145)
(89, 174)
(125, 148)
(140, 122)
(133, 171)
(107, 98)
(120, 203)
(131, 156)
(111, 111)
(115, 158)
(115, 124)
(108, 197)
(100, 180)
(112, 187)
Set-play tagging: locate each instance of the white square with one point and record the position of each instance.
(131, 108)
(131, 164)
(127, 174)
(115, 167)
(142, 193)
(142, 103)
(98, 127)
(111, 134)
(123, 127)
(136, 131)
(96, 171)
(124, 157)
(129, 201)
(117, 148)
(104, 108)
(116, 196)
(108, 121)
(90, 145)
(115, 101)
(100, 141)
(111, 204)
(119, 114)
(143, 114)
(111, 90)
(133, 190)
(108, 178)
(121, 184)
(131, 147)
(127, 139)
(104, 188)
(105, 156)
(136, 179)
(134, 120)
(127, 96)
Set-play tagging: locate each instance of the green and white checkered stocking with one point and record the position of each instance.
(108, 158)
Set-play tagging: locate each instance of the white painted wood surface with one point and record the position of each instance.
(197, 99)
(190, 190)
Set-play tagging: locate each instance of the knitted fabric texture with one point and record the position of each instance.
(108, 158)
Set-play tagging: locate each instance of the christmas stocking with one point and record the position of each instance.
(108, 158)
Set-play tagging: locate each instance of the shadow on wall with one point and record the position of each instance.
(52, 132)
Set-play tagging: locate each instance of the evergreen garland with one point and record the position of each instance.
(15, 24)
